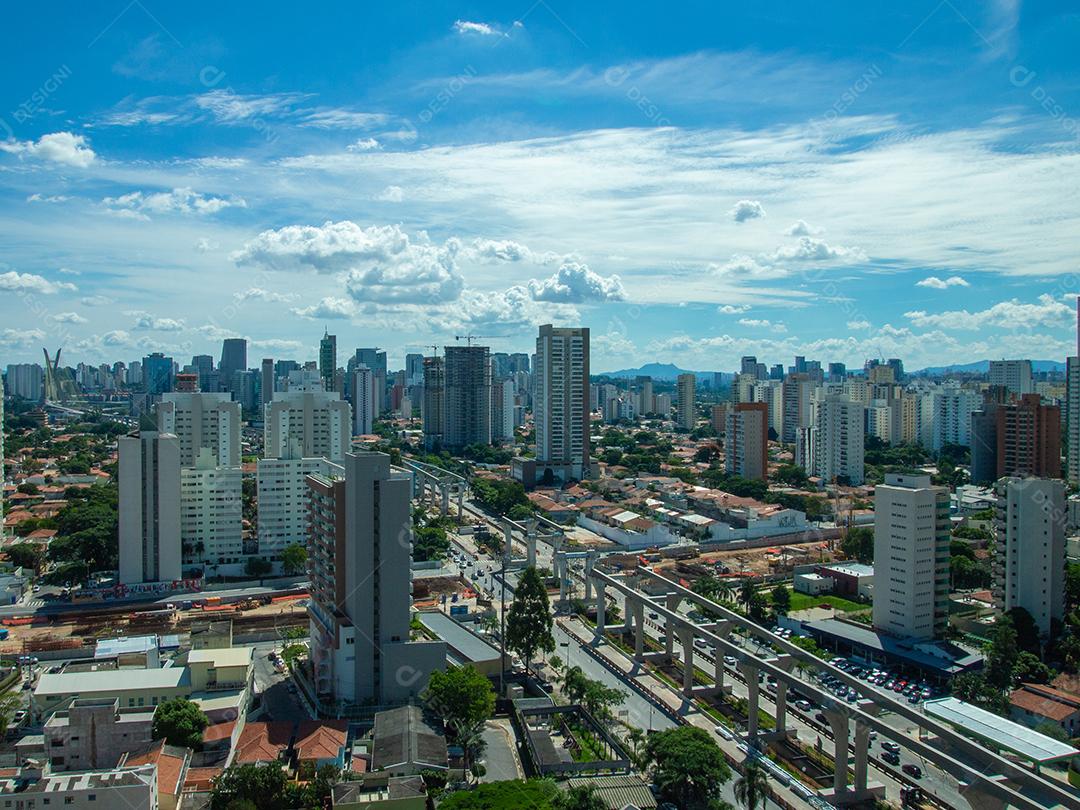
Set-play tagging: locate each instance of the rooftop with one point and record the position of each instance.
(1006, 734)
(403, 736)
(458, 637)
(223, 657)
(111, 681)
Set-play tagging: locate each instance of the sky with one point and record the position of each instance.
(692, 181)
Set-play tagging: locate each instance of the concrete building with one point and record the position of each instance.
(718, 415)
(26, 380)
(911, 557)
(132, 788)
(364, 400)
(328, 360)
(746, 449)
(157, 373)
(267, 383)
(283, 499)
(686, 413)
(771, 392)
(320, 421)
(795, 395)
(502, 410)
(1028, 436)
(946, 416)
(561, 402)
(233, 359)
(838, 440)
(361, 584)
(149, 506)
(211, 512)
(1029, 565)
(1013, 375)
(468, 396)
(93, 733)
(433, 411)
(414, 369)
(202, 420)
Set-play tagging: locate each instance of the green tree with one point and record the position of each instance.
(9, 704)
(781, 599)
(581, 797)
(1027, 632)
(25, 555)
(688, 767)
(179, 722)
(858, 544)
(1001, 655)
(462, 697)
(752, 788)
(264, 788)
(597, 698)
(1029, 669)
(535, 794)
(528, 622)
(791, 474)
(257, 566)
(293, 559)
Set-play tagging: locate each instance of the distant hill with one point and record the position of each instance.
(663, 371)
(983, 367)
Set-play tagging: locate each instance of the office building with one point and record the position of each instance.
(561, 403)
(718, 418)
(283, 499)
(157, 373)
(795, 401)
(1028, 438)
(203, 365)
(266, 384)
(414, 369)
(320, 422)
(432, 412)
(502, 410)
(838, 441)
(1029, 563)
(1012, 375)
(211, 512)
(837, 372)
(376, 361)
(746, 446)
(149, 507)
(686, 414)
(245, 389)
(200, 420)
(911, 557)
(328, 360)
(26, 380)
(468, 397)
(363, 388)
(359, 562)
(233, 359)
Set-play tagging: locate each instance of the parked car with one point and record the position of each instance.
(804, 705)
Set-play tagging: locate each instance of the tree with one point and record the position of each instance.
(257, 566)
(1001, 655)
(752, 788)
(1029, 669)
(1027, 632)
(462, 696)
(528, 623)
(535, 794)
(746, 593)
(293, 559)
(25, 555)
(9, 704)
(260, 786)
(791, 474)
(180, 722)
(781, 599)
(582, 797)
(688, 767)
(597, 698)
(858, 544)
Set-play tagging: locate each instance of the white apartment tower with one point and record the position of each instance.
(363, 387)
(911, 557)
(838, 440)
(320, 421)
(211, 512)
(502, 410)
(1029, 566)
(561, 402)
(149, 493)
(201, 420)
(283, 498)
(685, 414)
(1013, 375)
(1072, 420)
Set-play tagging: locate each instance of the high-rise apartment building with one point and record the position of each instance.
(149, 507)
(1012, 375)
(945, 416)
(911, 557)
(157, 373)
(26, 380)
(283, 498)
(432, 412)
(328, 360)
(1072, 419)
(359, 561)
(468, 396)
(686, 413)
(201, 420)
(795, 401)
(746, 445)
(414, 369)
(267, 384)
(502, 410)
(647, 402)
(376, 361)
(211, 512)
(838, 440)
(233, 359)
(1029, 563)
(320, 422)
(209, 378)
(561, 402)
(1028, 436)
(363, 388)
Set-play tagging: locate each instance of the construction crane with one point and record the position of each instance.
(470, 338)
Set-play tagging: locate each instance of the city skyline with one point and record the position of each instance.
(668, 187)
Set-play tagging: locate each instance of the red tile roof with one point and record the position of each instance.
(218, 731)
(317, 740)
(1045, 701)
(263, 742)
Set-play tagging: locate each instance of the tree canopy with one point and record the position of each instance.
(180, 722)
(688, 766)
(529, 622)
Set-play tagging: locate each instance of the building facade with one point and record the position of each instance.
(468, 396)
(561, 402)
(149, 506)
(198, 421)
(746, 448)
(319, 421)
(685, 411)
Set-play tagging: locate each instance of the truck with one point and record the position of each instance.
(459, 610)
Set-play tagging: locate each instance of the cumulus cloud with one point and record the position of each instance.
(56, 147)
(329, 308)
(259, 294)
(110, 339)
(277, 344)
(733, 309)
(214, 332)
(177, 201)
(391, 194)
(68, 317)
(13, 281)
(205, 245)
(96, 301)
(497, 251)
(1012, 314)
(858, 325)
(498, 312)
(575, 283)
(21, 338)
(745, 210)
(464, 27)
(743, 266)
(941, 284)
(379, 263)
(144, 321)
(362, 145)
(816, 250)
(761, 323)
(801, 228)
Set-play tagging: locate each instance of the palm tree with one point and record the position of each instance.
(746, 593)
(752, 788)
(582, 797)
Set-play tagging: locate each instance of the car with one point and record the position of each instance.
(891, 757)
(723, 732)
(889, 745)
(36, 589)
(804, 705)
(730, 660)
(18, 717)
(914, 700)
(912, 770)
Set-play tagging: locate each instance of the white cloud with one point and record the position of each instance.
(144, 321)
(380, 263)
(498, 312)
(13, 281)
(55, 198)
(56, 147)
(363, 145)
(747, 267)
(205, 245)
(67, 271)
(110, 339)
(801, 228)
(96, 301)
(465, 27)
(68, 317)
(177, 201)
(858, 325)
(816, 250)
(21, 338)
(212, 331)
(497, 251)
(938, 284)
(760, 323)
(329, 308)
(1012, 314)
(745, 210)
(575, 283)
(259, 294)
(277, 344)
(391, 194)
(733, 309)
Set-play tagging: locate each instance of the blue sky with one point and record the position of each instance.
(694, 183)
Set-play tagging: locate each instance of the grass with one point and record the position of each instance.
(802, 601)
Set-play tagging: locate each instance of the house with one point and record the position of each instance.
(389, 792)
(321, 742)
(263, 743)
(405, 743)
(1033, 704)
(172, 764)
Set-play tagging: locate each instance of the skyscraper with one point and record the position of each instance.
(157, 370)
(26, 380)
(561, 402)
(319, 422)
(747, 440)
(468, 396)
(1013, 375)
(359, 555)
(1072, 409)
(233, 359)
(414, 369)
(149, 507)
(433, 412)
(838, 440)
(795, 401)
(266, 387)
(686, 414)
(202, 420)
(363, 388)
(911, 556)
(328, 360)
(211, 512)
(376, 361)
(209, 379)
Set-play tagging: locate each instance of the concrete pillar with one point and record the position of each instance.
(444, 508)
(718, 662)
(508, 543)
(686, 639)
(838, 722)
(530, 549)
(601, 607)
(781, 704)
(637, 612)
(862, 746)
(751, 675)
(590, 561)
(460, 507)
